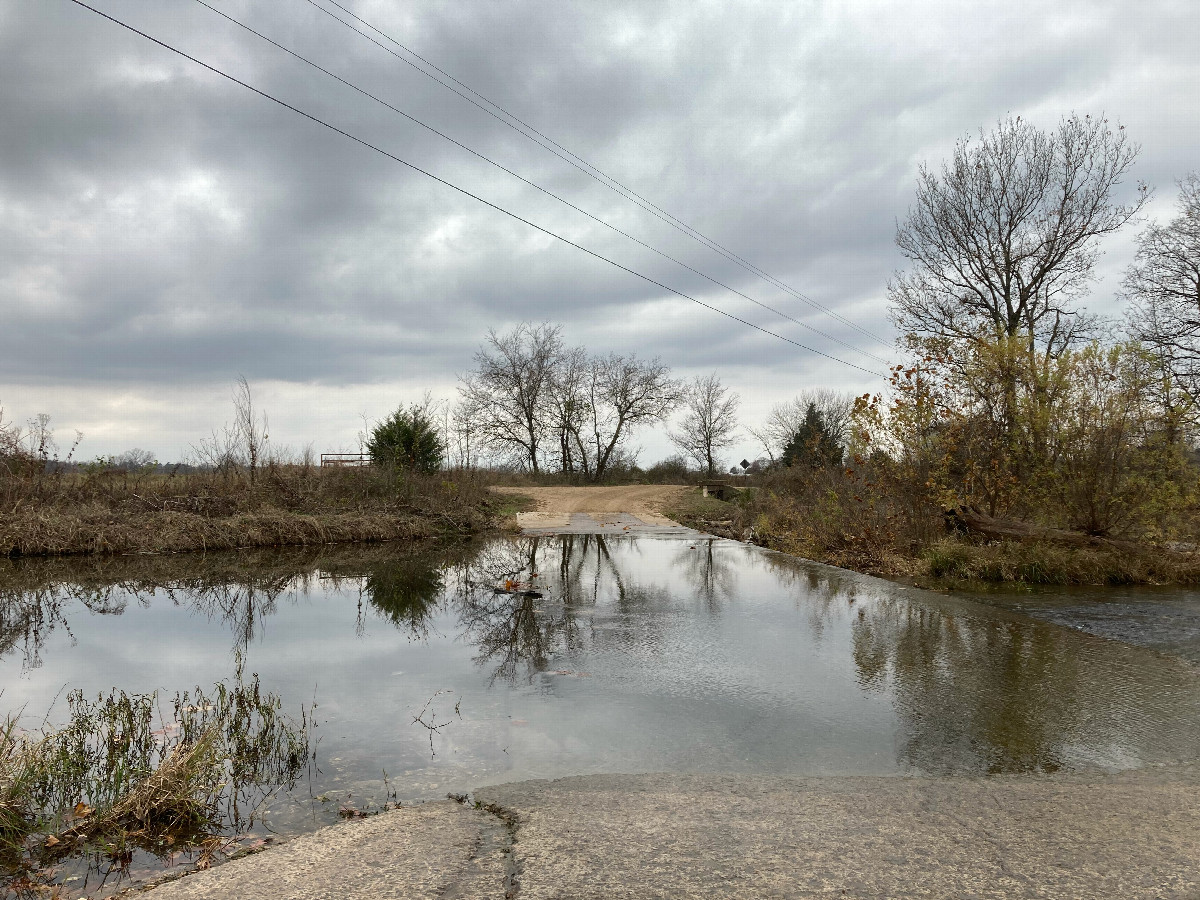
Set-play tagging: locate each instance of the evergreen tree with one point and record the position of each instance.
(813, 444)
(407, 439)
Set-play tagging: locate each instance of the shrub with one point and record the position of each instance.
(407, 439)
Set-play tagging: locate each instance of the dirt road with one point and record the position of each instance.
(557, 504)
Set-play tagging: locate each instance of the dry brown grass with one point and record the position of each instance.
(857, 522)
(107, 511)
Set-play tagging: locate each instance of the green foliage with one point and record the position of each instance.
(813, 444)
(407, 439)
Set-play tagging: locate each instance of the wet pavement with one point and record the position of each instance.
(672, 836)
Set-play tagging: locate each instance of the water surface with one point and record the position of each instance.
(539, 657)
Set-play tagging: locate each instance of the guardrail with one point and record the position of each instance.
(345, 459)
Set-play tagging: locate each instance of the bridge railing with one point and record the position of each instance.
(345, 459)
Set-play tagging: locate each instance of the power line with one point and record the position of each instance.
(463, 191)
(534, 185)
(522, 127)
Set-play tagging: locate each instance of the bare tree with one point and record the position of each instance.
(1164, 285)
(786, 419)
(10, 438)
(510, 391)
(464, 435)
(1005, 238)
(218, 451)
(249, 425)
(569, 410)
(709, 422)
(622, 394)
(39, 438)
(134, 460)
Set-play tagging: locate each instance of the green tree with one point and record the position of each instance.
(813, 444)
(407, 439)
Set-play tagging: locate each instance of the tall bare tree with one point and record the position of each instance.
(510, 391)
(1164, 285)
(569, 410)
(249, 425)
(1004, 238)
(539, 403)
(709, 421)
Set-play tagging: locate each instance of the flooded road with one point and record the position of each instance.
(552, 655)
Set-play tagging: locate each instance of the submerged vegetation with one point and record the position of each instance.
(122, 775)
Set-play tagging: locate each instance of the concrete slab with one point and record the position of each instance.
(676, 836)
(599, 837)
(438, 850)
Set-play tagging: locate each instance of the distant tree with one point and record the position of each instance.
(785, 419)
(621, 394)
(132, 460)
(534, 403)
(1164, 286)
(249, 426)
(408, 439)
(569, 410)
(709, 421)
(671, 469)
(1005, 238)
(10, 438)
(813, 444)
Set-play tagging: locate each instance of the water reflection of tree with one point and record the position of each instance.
(1007, 695)
(28, 618)
(241, 590)
(709, 571)
(514, 619)
(406, 591)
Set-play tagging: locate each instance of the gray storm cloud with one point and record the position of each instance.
(165, 230)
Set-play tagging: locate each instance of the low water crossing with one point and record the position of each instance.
(629, 650)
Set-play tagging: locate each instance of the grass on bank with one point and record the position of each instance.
(103, 510)
(830, 518)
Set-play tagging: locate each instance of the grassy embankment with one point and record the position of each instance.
(830, 519)
(112, 511)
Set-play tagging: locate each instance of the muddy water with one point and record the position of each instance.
(540, 657)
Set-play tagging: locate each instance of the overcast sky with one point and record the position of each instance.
(163, 230)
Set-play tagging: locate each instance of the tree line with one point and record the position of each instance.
(1013, 398)
(533, 403)
(1010, 396)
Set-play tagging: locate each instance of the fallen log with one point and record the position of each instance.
(966, 519)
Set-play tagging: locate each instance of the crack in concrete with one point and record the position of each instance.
(512, 823)
(509, 823)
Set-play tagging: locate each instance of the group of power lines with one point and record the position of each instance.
(403, 53)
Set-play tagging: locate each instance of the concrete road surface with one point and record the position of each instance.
(665, 836)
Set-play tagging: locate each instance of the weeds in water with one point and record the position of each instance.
(121, 775)
(431, 724)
